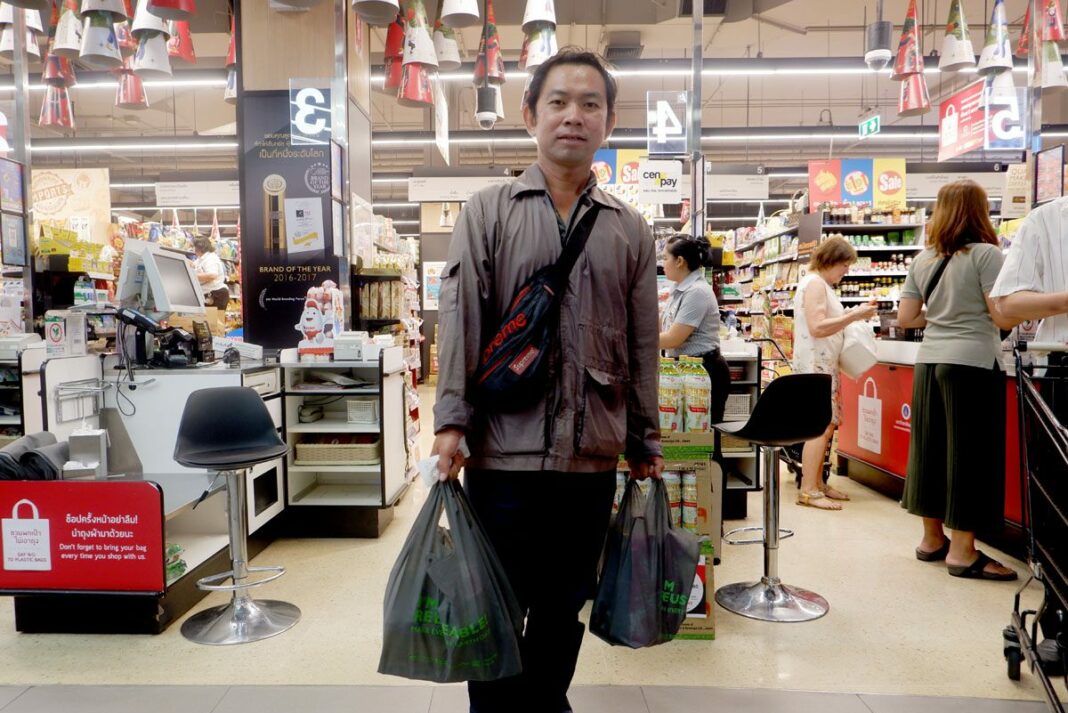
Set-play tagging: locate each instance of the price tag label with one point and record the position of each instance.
(667, 125)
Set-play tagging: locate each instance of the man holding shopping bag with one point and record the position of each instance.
(548, 366)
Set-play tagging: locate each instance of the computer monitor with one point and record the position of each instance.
(153, 278)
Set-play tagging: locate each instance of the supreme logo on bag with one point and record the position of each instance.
(513, 326)
(523, 362)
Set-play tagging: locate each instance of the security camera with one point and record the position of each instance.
(877, 45)
(486, 107)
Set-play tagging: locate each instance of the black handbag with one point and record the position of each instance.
(512, 370)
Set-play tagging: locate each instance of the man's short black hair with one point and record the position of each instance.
(571, 55)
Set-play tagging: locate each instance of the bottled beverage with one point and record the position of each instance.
(689, 501)
(673, 485)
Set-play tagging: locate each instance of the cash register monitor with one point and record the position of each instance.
(158, 280)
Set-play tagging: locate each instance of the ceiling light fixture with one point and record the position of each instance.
(132, 185)
(77, 147)
(173, 207)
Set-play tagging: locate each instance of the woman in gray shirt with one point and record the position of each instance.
(691, 321)
(956, 469)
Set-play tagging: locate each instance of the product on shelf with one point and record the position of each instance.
(865, 214)
(672, 396)
(698, 395)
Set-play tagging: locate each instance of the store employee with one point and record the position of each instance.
(691, 321)
(210, 273)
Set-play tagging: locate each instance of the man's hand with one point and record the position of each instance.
(447, 449)
(649, 467)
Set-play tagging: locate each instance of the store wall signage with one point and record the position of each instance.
(857, 174)
(667, 122)
(62, 194)
(310, 114)
(889, 185)
(962, 122)
(870, 126)
(286, 220)
(660, 182)
(180, 194)
(1016, 196)
(924, 186)
(1008, 119)
(824, 183)
(81, 536)
(450, 189)
(880, 182)
(734, 186)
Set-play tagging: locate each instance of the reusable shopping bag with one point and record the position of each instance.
(450, 614)
(648, 571)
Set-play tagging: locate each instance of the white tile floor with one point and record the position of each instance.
(897, 626)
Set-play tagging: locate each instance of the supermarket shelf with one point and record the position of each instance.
(873, 226)
(773, 261)
(759, 241)
(332, 425)
(339, 494)
(896, 273)
(886, 248)
(387, 249)
(369, 391)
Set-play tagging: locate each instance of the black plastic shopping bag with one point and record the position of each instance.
(450, 614)
(647, 572)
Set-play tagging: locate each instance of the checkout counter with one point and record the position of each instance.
(873, 440)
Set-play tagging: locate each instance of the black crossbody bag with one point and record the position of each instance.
(1002, 333)
(513, 368)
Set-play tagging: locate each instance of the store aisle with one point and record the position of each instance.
(896, 626)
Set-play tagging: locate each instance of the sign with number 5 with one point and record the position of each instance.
(1007, 120)
(667, 122)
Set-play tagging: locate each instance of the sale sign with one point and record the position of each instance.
(857, 180)
(962, 122)
(889, 183)
(81, 536)
(824, 183)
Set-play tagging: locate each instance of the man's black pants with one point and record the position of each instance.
(548, 529)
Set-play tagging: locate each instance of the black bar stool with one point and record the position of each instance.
(793, 408)
(228, 430)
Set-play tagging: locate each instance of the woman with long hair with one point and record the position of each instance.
(955, 476)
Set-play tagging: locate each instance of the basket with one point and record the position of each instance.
(733, 443)
(363, 410)
(338, 453)
(737, 407)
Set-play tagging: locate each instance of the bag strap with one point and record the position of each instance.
(573, 246)
(934, 280)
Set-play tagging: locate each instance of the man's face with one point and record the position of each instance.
(572, 117)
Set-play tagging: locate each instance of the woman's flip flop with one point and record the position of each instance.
(977, 570)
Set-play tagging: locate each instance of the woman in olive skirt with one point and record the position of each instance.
(956, 469)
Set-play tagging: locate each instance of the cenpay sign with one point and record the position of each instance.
(659, 181)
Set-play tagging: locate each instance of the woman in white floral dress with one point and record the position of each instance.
(819, 321)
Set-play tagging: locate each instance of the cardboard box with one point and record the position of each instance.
(65, 333)
(700, 622)
(212, 315)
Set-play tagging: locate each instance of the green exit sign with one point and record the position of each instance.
(870, 126)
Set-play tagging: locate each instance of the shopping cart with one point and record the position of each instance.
(790, 455)
(1043, 408)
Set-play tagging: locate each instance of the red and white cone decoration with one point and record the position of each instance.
(489, 65)
(145, 22)
(957, 50)
(1052, 70)
(56, 109)
(1053, 22)
(1023, 45)
(68, 40)
(42, 6)
(131, 91)
(175, 10)
(7, 34)
(127, 42)
(151, 60)
(378, 13)
(180, 46)
(58, 71)
(420, 66)
(446, 48)
(538, 12)
(459, 13)
(100, 46)
(33, 18)
(230, 93)
(999, 89)
(540, 45)
(394, 55)
(996, 56)
(908, 69)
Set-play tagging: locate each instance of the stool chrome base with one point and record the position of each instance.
(771, 600)
(241, 621)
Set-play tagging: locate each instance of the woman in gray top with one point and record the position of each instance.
(691, 321)
(956, 469)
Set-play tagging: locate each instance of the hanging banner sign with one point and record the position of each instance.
(660, 182)
(198, 193)
(734, 186)
(604, 167)
(1016, 197)
(310, 116)
(1007, 122)
(925, 186)
(889, 185)
(81, 536)
(857, 180)
(824, 183)
(962, 122)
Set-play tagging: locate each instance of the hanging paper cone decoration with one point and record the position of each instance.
(999, 89)
(394, 69)
(56, 109)
(1052, 68)
(909, 59)
(914, 97)
(230, 95)
(957, 50)
(68, 40)
(100, 47)
(459, 13)
(33, 18)
(489, 65)
(1053, 23)
(415, 87)
(216, 234)
(1023, 46)
(127, 42)
(541, 46)
(231, 53)
(145, 22)
(498, 101)
(131, 91)
(180, 45)
(151, 60)
(58, 71)
(7, 44)
(115, 8)
(395, 39)
(446, 48)
(418, 46)
(376, 12)
(997, 52)
(538, 11)
(177, 10)
(41, 6)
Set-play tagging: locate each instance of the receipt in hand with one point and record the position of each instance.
(428, 467)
